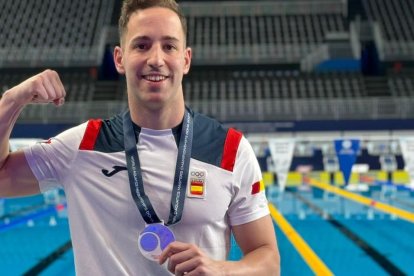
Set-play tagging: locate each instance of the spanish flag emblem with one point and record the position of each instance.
(197, 184)
(257, 187)
(197, 188)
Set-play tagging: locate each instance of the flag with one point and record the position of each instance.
(197, 184)
(197, 188)
(281, 151)
(257, 187)
(346, 150)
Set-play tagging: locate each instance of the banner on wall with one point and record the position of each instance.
(281, 151)
(407, 150)
(346, 151)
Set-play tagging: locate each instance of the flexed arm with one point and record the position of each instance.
(16, 178)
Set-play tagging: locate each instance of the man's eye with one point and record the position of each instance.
(169, 47)
(140, 46)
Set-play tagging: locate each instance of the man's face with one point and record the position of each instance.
(153, 57)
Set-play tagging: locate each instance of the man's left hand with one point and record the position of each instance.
(188, 259)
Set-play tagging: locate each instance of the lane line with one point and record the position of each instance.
(24, 219)
(308, 255)
(22, 211)
(49, 259)
(386, 208)
(377, 256)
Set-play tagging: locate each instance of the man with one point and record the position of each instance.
(155, 190)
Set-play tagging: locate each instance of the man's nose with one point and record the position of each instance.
(156, 57)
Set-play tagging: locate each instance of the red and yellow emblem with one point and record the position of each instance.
(197, 185)
(197, 188)
(257, 187)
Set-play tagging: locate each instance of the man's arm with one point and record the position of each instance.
(256, 239)
(16, 177)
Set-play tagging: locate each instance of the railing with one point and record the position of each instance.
(46, 56)
(308, 63)
(378, 38)
(260, 110)
(256, 53)
(355, 40)
(399, 50)
(264, 7)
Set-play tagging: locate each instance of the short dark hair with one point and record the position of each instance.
(131, 6)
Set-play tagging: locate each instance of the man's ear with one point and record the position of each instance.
(118, 55)
(187, 60)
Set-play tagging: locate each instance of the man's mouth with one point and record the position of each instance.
(155, 78)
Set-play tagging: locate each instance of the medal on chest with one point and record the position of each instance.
(154, 239)
(156, 235)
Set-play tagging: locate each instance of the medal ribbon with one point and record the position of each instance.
(181, 171)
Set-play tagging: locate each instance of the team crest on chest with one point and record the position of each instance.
(197, 183)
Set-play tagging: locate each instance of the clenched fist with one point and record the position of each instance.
(45, 87)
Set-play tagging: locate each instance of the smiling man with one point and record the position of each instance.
(154, 57)
(158, 189)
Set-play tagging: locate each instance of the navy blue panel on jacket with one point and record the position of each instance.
(208, 141)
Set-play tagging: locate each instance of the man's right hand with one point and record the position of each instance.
(16, 177)
(45, 87)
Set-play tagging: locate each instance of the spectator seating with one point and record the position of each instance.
(259, 38)
(39, 33)
(396, 21)
(401, 85)
(79, 85)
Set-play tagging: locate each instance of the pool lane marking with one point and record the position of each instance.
(24, 219)
(386, 208)
(22, 211)
(377, 256)
(48, 260)
(308, 255)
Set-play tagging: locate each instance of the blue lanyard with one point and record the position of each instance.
(181, 171)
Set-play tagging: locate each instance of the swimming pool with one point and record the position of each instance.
(349, 238)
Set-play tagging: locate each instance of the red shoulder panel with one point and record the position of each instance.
(91, 133)
(231, 146)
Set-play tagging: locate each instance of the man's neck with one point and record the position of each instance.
(160, 118)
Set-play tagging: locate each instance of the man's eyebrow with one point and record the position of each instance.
(138, 38)
(170, 38)
(145, 38)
